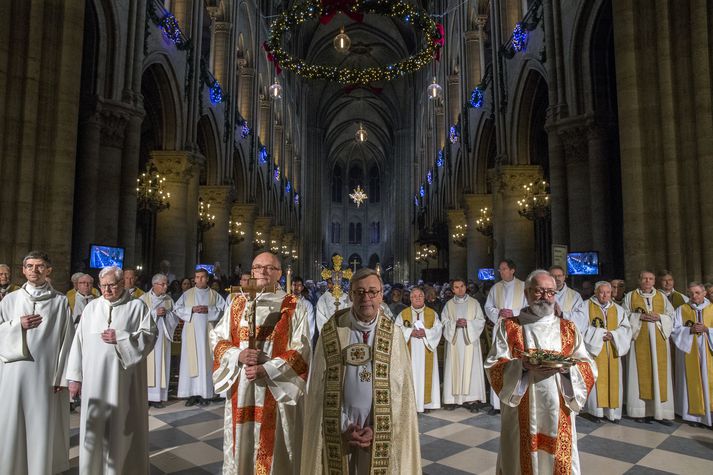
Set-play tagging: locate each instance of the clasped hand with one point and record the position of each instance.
(650, 317)
(357, 436)
(30, 321)
(699, 328)
(253, 359)
(418, 333)
(461, 323)
(109, 336)
(199, 309)
(608, 336)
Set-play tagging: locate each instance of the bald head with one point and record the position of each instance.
(267, 269)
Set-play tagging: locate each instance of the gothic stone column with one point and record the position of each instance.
(456, 254)
(242, 252)
(514, 235)
(215, 240)
(479, 247)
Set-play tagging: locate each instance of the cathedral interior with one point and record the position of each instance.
(170, 130)
(430, 139)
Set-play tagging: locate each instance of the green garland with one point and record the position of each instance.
(315, 9)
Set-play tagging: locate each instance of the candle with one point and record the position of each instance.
(289, 280)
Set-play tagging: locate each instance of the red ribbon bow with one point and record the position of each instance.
(332, 7)
(272, 59)
(440, 40)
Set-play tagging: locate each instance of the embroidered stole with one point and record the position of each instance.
(429, 318)
(694, 378)
(151, 358)
(381, 448)
(190, 329)
(608, 359)
(644, 351)
(517, 296)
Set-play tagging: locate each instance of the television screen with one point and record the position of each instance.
(486, 274)
(583, 263)
(105, 256)
(208, 267)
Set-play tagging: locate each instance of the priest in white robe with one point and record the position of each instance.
(463, 376)
(107, 367)
(84, 293)
(130, 279)
(539, 403)
(693, 338)
(35, 337)
(158, 362)
(422, 331)
(607, 338)
(327, 305)
(505, 300)
(6, 285)
(266, 384)
(666, 286)
(200, 307)
(360, 410)
(649, 393)
(569, 303)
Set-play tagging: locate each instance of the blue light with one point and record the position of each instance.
(519, 37)
(276, 174)
(440, 161)
(262, 155)
(171, 30)
(415, 200)
(407, 19)
(297, 198)
(244, 130)
(288, 187)
(216, 93)
(477, 98)
(453, 134)
(422, 190)
(429, 177)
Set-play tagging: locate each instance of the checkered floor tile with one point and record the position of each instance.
(189, 441)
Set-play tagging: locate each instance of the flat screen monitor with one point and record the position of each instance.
(209, 267)
(486, 274)
(105, 256)
(583, 263)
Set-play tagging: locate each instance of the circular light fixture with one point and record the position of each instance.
(275, 91)
(361, 135)
(342, 42)
(434, 90)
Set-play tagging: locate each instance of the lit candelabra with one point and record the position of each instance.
(426, 253)
(151, 194)
(274, 247)
(235, 232)
(484, 224)
(535, 203)
(459, 237)
(259, 241)
(205, 219)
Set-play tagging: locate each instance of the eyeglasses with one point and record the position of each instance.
(39, 267)
(259, 268)
(540, 292)
(108, 286)
(362, 292)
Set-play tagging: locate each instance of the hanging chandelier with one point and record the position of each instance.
(361, 136)
(426, 253)
(484, 224)
(205, 219)
(434, 90)
(459, 237)
(151, 194)
(358, 196)
(342, 42)
(235, 232)
(275, 90)
(535, 202)
(259, 241)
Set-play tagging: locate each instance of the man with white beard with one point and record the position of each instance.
(694, 359)
(107, 367)
(463, 377)
(158, 362)
(539, 402)
(35, 337)
(200, 307)
(649, 389)
(422, 330)
(608, 338)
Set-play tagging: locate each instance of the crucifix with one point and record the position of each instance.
(251, 292)
(336, 274)
(354, 262)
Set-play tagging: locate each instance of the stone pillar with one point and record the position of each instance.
(129, 172)
(472, 48)
(172, 230)
(215, 240)
(575, 141)
(441, 129)
(221, 37)
(276, 150)
(191, 215)
(456, 254)
(264, 118)
(514, 235)
(454, 98)
(600, 201)
(246, 85)
(479, 247)
(242, 252)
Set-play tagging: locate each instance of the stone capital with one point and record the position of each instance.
(474, 203)
(216, 195)
(243, 212)
(221, 26)
(455, 217)
(263, 223)
(176, 165)
(481, 21)
(512, 178)
(472, 36)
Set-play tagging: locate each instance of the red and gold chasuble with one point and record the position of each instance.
(560, 447)
(266, 415)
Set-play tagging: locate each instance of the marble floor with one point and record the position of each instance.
(189, 441)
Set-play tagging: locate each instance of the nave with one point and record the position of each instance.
(189, 441)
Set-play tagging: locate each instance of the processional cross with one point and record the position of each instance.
(337, 274)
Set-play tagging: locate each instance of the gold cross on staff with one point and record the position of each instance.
(337, 274)
(251, 291)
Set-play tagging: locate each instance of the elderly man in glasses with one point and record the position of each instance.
(361, 408)
(541, 370)
(265, 376)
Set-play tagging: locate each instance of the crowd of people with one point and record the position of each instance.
(330, 358)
